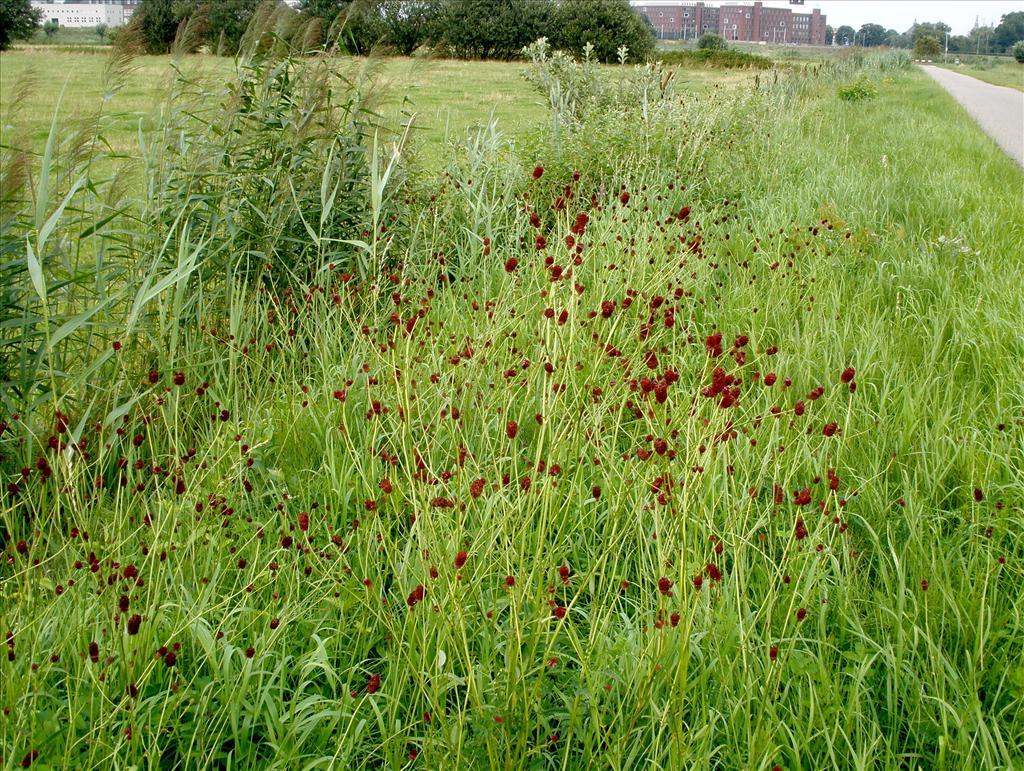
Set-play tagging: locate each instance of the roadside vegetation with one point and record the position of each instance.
(999, 71)
(645, 426)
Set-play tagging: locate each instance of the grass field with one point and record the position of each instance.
(447, 96)
(682, 428)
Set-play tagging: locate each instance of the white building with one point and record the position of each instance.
(82, 14)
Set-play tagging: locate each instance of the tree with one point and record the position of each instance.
(101, 31)
(960, 44)
(927, 46)
(50, 27)
(1010, 30)
(157, 21)
(980, 40)
(936, 30)
(408, 24)
(327, 10)
(709, 41)
(1018, 51)
(605, 24)
(359, 28)
(829, 34)
(844, 35)
(355, 25)
(223, 20)
(894, 39)
(18, 20)
(492, 29)
(872, 35)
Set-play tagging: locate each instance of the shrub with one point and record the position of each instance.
(716, 59)
(859, 90)
(709, 41)
(1018, 51)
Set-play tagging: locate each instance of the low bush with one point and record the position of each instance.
(709, 41)
(717, 59)
(859, 90)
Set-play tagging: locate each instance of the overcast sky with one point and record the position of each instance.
(899, 15)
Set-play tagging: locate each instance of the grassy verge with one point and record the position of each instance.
(1001, 73)
(688, 437)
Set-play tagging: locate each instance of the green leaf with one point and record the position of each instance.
(35, 272)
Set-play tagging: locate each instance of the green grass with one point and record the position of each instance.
(700, 578)
(448, 97)
(999, 72)
(65, 36)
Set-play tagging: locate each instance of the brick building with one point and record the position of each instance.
(751, 23)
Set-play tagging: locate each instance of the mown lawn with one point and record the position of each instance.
(448, 97)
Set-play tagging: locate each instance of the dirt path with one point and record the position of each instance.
(998, 110)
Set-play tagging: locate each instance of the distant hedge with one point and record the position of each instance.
(726, 60)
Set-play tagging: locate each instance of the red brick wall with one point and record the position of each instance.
(752, 22)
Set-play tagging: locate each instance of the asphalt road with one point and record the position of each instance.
(998, 110)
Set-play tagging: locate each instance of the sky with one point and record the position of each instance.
(899, 15)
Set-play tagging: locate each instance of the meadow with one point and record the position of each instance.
(616, 418)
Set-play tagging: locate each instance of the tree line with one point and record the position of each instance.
(471, 29)
(980, 40)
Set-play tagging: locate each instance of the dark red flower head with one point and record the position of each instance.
(460, 559)
(416, 595)
(538, 172)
